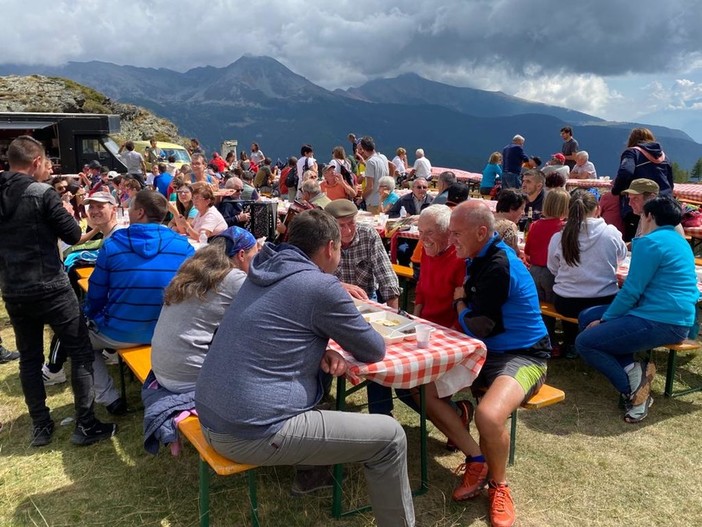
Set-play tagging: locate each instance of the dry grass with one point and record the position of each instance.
(577, 464)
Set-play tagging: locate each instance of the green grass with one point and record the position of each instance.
(578, 464)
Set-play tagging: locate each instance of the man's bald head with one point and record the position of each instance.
(471, 227)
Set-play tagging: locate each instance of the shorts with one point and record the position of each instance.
(529, 372)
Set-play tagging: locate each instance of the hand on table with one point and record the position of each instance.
(355, 291)
(333, 363)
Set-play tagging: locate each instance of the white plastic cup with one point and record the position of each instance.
(424, 332)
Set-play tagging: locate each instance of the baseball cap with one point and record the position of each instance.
(559, 156)
(112, 174)
(341, 208)
(236, 239)
(642, 185)
(94, 164)
(102, 197)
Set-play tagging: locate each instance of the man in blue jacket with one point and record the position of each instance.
(125, 292)
(499, 305)
(262, 377)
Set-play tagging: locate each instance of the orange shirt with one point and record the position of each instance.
(334, 192)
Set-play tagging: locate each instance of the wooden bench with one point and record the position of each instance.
(686, 345)
(138, 359)
(211, 460)
(547, 310)
(405, 275)
(546, 396)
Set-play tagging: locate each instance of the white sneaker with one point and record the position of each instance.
(52, 378)
(110, 358)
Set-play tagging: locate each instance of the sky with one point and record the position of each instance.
(618, 60)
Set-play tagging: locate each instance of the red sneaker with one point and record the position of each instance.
(501, 505)
(473, 478)
(466, 408)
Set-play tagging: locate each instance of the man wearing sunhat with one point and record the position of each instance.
(639, 192)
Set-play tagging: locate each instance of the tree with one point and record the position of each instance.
(696, 172)
(680, 175)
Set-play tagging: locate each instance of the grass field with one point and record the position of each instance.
(578, 464)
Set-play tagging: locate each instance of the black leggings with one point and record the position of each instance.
(571, 307)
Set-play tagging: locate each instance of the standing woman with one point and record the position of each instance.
(583, 259)
(256, 156)
(643, 158)
(491, 172)
(655, 306)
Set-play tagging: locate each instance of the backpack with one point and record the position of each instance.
(291, 179)
(346, 174)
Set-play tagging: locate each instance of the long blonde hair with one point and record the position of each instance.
(200, 274)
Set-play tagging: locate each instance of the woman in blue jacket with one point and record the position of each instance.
(655, 306)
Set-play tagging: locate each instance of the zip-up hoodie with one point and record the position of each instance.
(645, 160)
(601, 251)
(133, 268)
(32, 219)
(263, 365)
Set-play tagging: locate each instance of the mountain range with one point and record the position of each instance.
(259, 99)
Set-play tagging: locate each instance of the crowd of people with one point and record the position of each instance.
(218, 332)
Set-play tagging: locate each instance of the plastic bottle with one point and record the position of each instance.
(203, 238)
(403, 212)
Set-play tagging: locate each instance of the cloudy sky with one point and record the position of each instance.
(620, 60)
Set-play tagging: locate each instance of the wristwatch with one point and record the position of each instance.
(455, 302)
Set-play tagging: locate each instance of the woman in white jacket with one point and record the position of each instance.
(583, 259)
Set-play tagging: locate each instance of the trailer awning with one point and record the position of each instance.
(26, 125)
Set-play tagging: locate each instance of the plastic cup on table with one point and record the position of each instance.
(424, 332)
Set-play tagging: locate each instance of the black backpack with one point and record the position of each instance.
(291, 179)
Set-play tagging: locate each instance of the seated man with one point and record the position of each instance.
(583, 169)
(232, 207)
(125, 291)
(312, 194)
(557, 164)
(499, 305)
(640, 192)
(446, 179)
(279, 425)
(413, 202)
(533, 187)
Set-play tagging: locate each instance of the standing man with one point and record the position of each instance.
(513, 157)
(125, 292)
(36, 290)
(305, 163)
(153, 153)
(282, 426)
(134, 162)
(376, 168)
(163, 180)
(570, 146)
(498, 304)
(422, 166)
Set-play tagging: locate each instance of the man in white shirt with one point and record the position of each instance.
(133, 160)
(376, 168)
(422, 166)
(306, 162)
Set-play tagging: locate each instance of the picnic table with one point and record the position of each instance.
(688, 191)
(452, 361)
(588, 183)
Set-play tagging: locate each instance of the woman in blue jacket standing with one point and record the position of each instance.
(655, 306)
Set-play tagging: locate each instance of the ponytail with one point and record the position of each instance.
(581, 204)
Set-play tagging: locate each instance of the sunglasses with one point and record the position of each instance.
(421, 187)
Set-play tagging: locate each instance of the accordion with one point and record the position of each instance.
(264, 218)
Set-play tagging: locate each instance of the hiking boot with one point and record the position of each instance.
(7, 355)
(41, 434)
(644, 374)
(466, 408)
(52, 378)
(635, 413)
(84, 435)
(118, 407)
(473, 478)
(501, 505)
(311, 479)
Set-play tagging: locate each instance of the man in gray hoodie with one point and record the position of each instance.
(262, 375)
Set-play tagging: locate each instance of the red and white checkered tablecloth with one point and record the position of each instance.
(452, 355)
(693, 232)
(461, 175)
(623, 272)
(691, 191)
(588, 183)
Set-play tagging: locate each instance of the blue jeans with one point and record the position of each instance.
(511, 180)
(610, 346)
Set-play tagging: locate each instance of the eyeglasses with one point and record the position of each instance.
(421, 187)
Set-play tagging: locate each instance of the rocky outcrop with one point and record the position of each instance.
(36, 93)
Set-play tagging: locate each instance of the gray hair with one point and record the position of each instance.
(232, 181)
(518, 139)
(419, 152)
(387, 181)
(311, 186)
(583, 153)
(447, 177)
(439, 214)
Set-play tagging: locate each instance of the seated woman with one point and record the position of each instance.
(491, 173)
(510, 205)
(208, 219)
(183, 208)
(583, 259)
(194, 303)
(388, 196)
(536, 250)
(655, 306)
